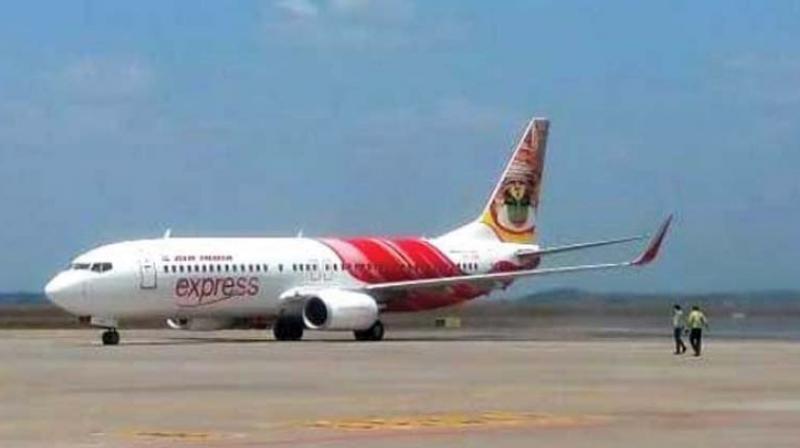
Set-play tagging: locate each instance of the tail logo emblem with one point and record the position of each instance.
(512, 210)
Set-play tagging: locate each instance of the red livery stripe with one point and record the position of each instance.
(378, 260)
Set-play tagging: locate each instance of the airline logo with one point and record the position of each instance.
(190, 292)
(511, 212)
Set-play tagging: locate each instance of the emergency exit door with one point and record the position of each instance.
(147, 274)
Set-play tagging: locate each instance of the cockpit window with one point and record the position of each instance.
(80, 266)
(101, 267)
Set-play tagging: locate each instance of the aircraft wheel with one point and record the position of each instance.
(110, 337)
(373, 333)
(288, 329)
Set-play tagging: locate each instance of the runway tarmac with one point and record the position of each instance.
(434, 388)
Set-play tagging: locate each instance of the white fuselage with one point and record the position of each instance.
(247, 277)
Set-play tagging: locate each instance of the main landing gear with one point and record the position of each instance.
(373, 333)
(288, 328)
(110, 337)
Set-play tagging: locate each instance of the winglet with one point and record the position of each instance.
(651, 252)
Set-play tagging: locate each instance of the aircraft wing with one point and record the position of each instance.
(647, 256)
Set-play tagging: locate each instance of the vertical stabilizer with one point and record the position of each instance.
(510, 214)
(511, 210)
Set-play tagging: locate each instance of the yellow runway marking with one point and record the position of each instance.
(455, 421)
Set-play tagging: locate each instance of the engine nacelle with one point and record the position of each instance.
(335, 309)
(200, 323)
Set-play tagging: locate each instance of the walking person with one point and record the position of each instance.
(678, 324)
(696, 321)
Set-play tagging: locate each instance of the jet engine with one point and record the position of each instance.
(335, 309)
(200, 323)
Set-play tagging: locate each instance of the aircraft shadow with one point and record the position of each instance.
(227, 340)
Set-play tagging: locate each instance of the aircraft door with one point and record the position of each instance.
(147, 274)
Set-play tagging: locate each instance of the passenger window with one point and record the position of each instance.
(233, 267)
(166, 269)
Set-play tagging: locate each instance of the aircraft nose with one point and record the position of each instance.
(64, 290)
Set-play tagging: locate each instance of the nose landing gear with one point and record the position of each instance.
(110, 324)
(110, 337)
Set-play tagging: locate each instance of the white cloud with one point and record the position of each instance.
(374, 10)
(351, 5)
(354, 24)
(298, 8)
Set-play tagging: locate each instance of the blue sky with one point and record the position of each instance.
(118, 120)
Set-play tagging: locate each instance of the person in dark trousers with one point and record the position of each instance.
(696, 322)
(677, 329)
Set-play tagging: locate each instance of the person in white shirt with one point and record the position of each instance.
(677, 329)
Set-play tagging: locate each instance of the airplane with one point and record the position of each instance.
(326, 284)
